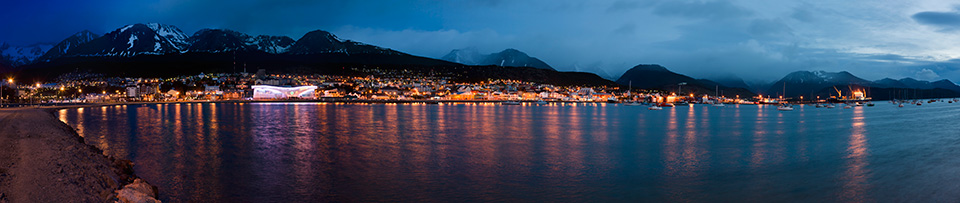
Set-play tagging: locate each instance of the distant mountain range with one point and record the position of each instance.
(825, 84)
(163, 50)
(916, 84)
(811, 82)
(159, 39)
(158, 50)
(800, 83)
(505, 58)
(652, 76)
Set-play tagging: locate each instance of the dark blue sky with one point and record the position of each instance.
(754, 39)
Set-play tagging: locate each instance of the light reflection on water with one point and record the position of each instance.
(267, 152)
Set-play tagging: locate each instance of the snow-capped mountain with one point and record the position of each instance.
(468, 56)
(171, 33)
(821, 77)
(221, 40)
(132, 40)
(160, 39)
(66, 45)
(319, 41)
(21, 55)
(508, 57)
(217, 40)
(270, 44)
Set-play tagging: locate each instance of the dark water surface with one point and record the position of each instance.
(309, 152)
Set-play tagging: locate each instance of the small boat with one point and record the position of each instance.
(919, 103)
(785, 108)
(613, 100)
(870, 104)
(830, 106)
(510, 103)
(847, 107)
(665, 105)
(901, 105)
(655, 108)
(541, 102)
(718, 103)
(632, 104)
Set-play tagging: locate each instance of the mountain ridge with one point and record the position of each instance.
(507, 58)
(655, 76)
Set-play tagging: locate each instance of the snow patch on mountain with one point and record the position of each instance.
(133, 39)
(124, 28)
(171, 33)
(22, 55)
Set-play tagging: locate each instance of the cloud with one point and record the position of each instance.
(626, 29)
(803, 14)
(432, 44)
(946, 21)
(770, 28)
(888, 57)
(926, 74)
(716, 10)
(624, 5)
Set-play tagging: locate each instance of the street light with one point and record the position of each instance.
(9, 81)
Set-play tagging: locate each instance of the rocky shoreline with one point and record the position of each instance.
(44, 160)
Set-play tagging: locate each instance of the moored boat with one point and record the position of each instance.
(785, 108)
(510, 103)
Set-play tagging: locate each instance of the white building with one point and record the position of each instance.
(132, 91)
(274, 92)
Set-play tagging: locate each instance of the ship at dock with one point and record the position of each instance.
(855, 96)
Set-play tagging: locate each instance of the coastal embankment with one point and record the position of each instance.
(44, 160)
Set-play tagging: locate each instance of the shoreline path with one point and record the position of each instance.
(44, 160)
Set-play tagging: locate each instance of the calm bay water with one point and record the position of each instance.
(308, 152)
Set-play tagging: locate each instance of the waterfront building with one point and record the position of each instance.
(132, 91)
(275, 92)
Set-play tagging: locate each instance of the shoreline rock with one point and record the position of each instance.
(139, 192)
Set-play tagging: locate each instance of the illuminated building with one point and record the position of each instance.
(274, 92)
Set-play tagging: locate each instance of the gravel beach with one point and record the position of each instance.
(45, 160)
